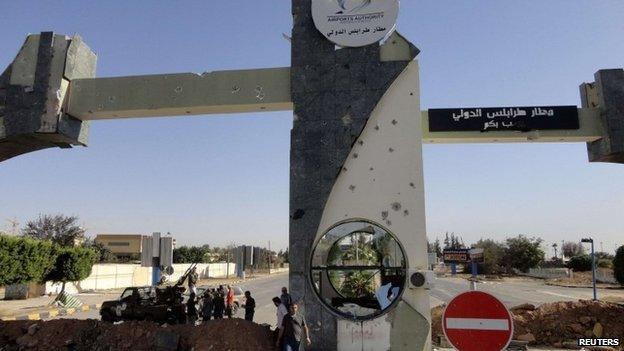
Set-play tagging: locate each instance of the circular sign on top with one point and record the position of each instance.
(477, 321)
(355, 23)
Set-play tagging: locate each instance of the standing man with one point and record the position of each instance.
(250, 306)
(286, 299)
(292, 331)
(229, 302)
(207, 306)
(218, 305)
(192, 280)
(191, 308)
(280, 312)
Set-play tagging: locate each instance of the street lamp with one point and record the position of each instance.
(593, 259)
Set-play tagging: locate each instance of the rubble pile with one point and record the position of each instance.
(71, 334)
(555, 323)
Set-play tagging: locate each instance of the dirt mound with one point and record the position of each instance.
(554, 323)
(70, 334)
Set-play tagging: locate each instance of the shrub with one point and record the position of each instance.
(24, 260)
(604, 263)
(580, 263)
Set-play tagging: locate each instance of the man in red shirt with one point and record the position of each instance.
(229, 302)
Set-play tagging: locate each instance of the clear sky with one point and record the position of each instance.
(223, 179)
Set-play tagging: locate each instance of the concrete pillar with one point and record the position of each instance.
(334, 93)
(607, 94)
(33, 91)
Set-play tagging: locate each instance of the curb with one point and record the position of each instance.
(51, 313)
(585, 286)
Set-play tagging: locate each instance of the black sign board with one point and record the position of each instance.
(486, 119)
(456, 255)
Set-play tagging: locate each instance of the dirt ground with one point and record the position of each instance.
(552, 324)
(69, 334)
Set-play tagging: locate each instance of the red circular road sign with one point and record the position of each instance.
(477, 321)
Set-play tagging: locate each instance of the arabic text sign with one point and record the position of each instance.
(355, 23)
(487, 119)
(456, 255)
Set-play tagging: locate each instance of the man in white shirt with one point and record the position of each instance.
(280, 313)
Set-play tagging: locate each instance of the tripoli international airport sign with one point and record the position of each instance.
(477, 321)
(486, 119)
(462, 255)
(354, 23)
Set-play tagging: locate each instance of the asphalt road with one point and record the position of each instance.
(511, 292)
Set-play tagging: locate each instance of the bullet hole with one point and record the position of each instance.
(377, 127)
(361, 142)
(352, 187)
(235, 89)
(389, 223)
(346, 119)
(412, 185)
(188, 112)
(394, 122)
(298, 214)
(396, 206)
(344, 169)
(411, 94)
(111, 98)
(406, 213)
(355, 155)
(384, 215)
(178, 89)
(391, 149)
(371, 169)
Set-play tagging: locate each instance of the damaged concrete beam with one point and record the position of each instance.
(236, 91)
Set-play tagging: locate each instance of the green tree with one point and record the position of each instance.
(437, 248)
(580, 263)
(493, 255)
(618, 265)
(72, 264)
(59, 229)
(523, 253)
(191, 254)
(24, 260)
(104, 254)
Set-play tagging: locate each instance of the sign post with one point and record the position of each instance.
(477, 321)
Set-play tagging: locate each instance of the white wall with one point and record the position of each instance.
(114, 276)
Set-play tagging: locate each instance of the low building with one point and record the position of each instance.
(124, 246)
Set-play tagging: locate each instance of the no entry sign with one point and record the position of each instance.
(477, 321)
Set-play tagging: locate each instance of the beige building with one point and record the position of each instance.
(124, 246)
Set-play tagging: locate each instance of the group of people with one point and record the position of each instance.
(214, 303)
(291, 328)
